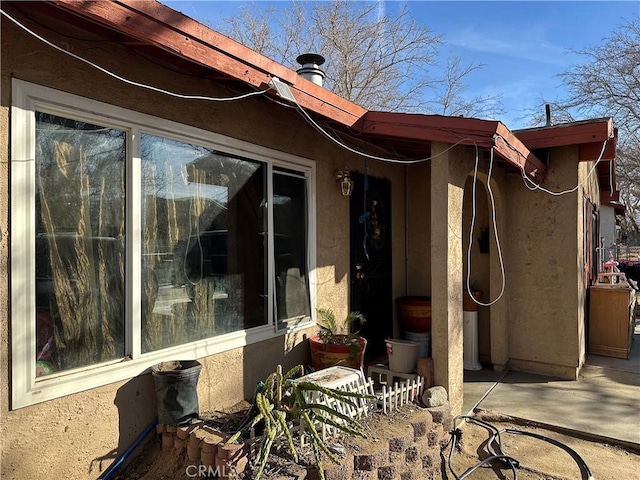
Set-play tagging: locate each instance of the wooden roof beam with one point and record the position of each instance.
(593, 151)
(436, 128)
(575, 133)
(512, 149)
(158, 25)
(453, 130)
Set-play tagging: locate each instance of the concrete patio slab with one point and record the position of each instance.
(604, 403)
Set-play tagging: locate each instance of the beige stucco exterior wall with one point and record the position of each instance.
(545, 270)
(78, 436)
(418, 214)
(449, 172)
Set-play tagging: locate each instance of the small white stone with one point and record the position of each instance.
(434, 396)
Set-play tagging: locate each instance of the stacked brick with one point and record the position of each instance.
(412, 452)
(206, 452)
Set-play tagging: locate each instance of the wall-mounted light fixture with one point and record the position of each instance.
(346, 184)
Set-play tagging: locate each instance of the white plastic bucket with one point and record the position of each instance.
(403, 355)
(422, 338)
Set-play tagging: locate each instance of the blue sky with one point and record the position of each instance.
(524, 45)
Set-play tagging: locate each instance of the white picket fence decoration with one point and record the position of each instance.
(400, 394)
(389, 399)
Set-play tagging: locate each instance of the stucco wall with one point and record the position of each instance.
(418, 212)
(78, 436)
(543, 258)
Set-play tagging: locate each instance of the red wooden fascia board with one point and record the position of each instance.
(606, 176)
(589, 131)
(436, 128)
(592, 151)
(467, 131)
(156, 24)
(512, 149)
(607, 198)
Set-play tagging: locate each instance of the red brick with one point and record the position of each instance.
(233, 470)
(184, 432)
(228, 451)
(197, 436)
(208, 458)
(210, 445)
(193, 448)
(167, 440)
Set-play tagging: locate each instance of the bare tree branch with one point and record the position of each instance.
(379, 60)
(607, 84)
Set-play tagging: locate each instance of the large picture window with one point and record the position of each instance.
(203, 252)
(133, 237)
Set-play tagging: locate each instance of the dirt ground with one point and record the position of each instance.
(537, 459)
(540, 459)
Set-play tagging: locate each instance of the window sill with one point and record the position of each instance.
(74, 381)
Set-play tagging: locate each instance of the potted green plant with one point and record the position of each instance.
(336, 343)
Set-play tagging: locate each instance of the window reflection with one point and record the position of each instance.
(79, 243)
(203, 260)
(290, 242)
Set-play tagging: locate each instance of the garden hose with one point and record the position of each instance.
(499, 455)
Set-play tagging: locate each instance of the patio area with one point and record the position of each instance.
(604, 404)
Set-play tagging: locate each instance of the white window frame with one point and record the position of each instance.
(27, 98)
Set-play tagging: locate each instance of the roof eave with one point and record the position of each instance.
(455, 130)
(598, 130)
(156, 24)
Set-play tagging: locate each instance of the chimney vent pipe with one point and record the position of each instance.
(311, 67)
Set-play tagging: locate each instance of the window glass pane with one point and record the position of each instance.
(290, 242)
(80, 220)
(203, 251)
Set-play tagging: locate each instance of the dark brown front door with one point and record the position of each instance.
(370, 223)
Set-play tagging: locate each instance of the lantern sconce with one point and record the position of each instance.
(346, 184)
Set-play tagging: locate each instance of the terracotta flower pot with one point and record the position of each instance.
(327, 355)
(415, 314)
(468, 305)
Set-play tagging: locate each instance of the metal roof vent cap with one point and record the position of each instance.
(311, 67)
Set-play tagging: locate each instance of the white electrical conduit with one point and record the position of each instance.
(126, 80)
(495, 230)
(537, 186)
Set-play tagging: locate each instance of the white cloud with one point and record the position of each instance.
(531, 46)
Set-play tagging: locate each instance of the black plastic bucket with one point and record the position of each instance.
(177, 391)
